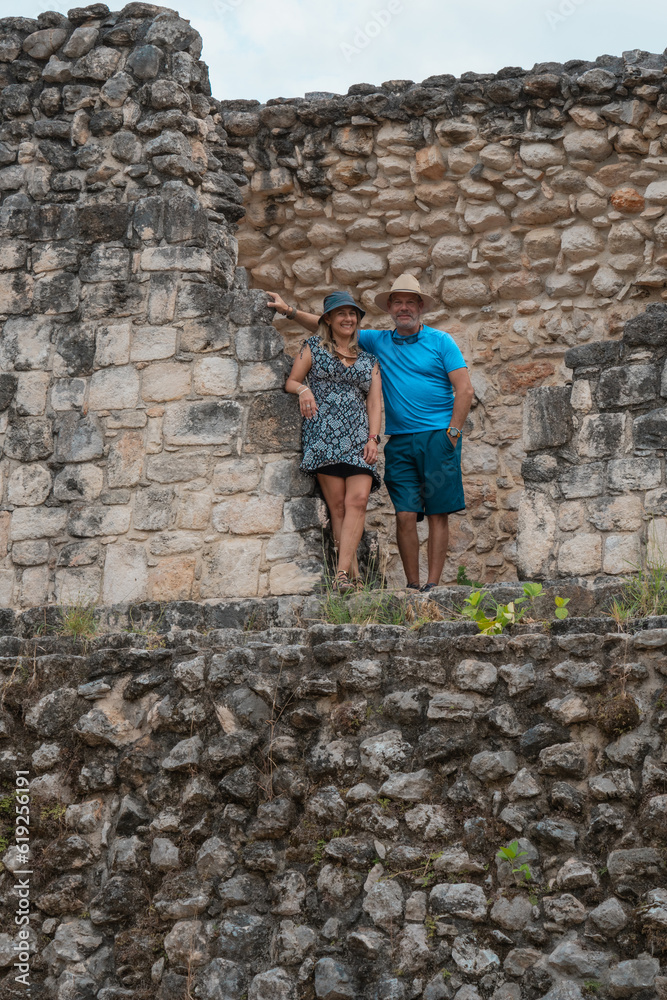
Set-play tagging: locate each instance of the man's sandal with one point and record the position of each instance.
(412, 586)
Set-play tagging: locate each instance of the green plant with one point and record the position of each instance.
(318, 853)
(446, 974)
(430, 924)
(463, 580)
(643, 591)
(56, 812)
(492, 618)
(592, 986)
(78, 620)
(384, 803)
(511, 853)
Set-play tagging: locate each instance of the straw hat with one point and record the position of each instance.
(404, 283)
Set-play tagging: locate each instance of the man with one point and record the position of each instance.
(427, 396)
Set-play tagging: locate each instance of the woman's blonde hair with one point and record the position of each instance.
(326, 336)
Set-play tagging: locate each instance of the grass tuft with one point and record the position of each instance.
(78, 621)
(643, 592)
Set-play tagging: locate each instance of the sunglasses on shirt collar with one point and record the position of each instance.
(398, 339)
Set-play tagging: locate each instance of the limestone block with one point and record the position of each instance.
(79, 438)
(582, 481)
(125, 573)
(274, 423)
(68, 394)
(97, 519)
(258, 343)
(290, 238)
(356, 141)
(650, 430)
(308, 269)
(151, 343)
(407, 257)
(153, 508)
(125, 460)
(165, 380)
(78, 482)
(30, 398)
(258, 377)
(351, 266)
(601, 435)
(580, 556)
(292, 578)
(194, 511)
(450, 251)
(231, 568)
(326, 234)
(438, 193)
(29, 439)
(479, 458)
(215, 376)
(587, 144)
(73, 586)
(34, 587)
(482, 218)
(392, 198)
(520, 285)
(30, 553)
(622, 554)
(541, 211)
(657, 192)
(580, 242)
(175, 259)
(28, 485)
(430, 163)
(106, 264)
(236, 475)
(627, 385)
(276, 181)
(114, 388)
(112, 345)
(541, 243)
(205, 422)
(36, 522)
(607, 282)
(174, 468)
(656, 552)
(634, 474)
(564, 286)
(621, 513)
(249, 515)
(536, 535)
(541, 154)
(466, 292)
(173, 579)
(547, 418)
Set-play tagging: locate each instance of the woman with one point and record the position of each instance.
(342, 411)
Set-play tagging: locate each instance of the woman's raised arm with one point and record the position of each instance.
(308, 321)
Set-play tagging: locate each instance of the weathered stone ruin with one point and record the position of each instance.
(229, 799)
(148, 449)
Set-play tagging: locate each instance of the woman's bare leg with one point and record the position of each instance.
(357, 490)
(333, 491)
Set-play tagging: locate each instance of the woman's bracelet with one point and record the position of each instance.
(304, 389)
(291, 312)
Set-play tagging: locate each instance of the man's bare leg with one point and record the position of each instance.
(408, 543)
(438, 541)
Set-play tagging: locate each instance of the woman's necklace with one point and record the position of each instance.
(342, 353)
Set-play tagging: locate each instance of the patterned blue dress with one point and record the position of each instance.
(339, 431)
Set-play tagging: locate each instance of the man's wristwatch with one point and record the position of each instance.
(375, 437)
(454, 432)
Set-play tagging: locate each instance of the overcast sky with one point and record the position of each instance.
(286, 48)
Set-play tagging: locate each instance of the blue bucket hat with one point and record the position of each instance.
(337, 299)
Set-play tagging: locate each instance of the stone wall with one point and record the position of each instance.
(596, 494)
(300, 813)
(147, 447)
(530, 203)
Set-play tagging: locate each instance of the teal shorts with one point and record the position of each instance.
(423, 473)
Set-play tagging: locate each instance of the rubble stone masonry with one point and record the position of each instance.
(529, 203)
(148, 450)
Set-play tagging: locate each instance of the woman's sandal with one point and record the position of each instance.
(342, 583)
(357, 583)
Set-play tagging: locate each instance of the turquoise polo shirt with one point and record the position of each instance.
(418, 394)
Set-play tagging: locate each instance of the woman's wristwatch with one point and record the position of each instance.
(374, 437)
